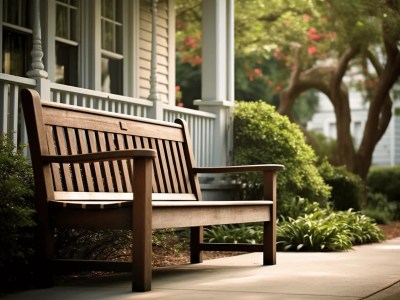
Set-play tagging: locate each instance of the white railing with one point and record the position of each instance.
(99, 100)
(201, 127)
(11, 119)
(201, 124)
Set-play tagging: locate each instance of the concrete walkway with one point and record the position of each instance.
(368, 272)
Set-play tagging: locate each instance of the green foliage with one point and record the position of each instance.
(379, 208)
(385, 180)
(318, 229)
(347, 188)
(16, 214)
(261, 136)
(327, 230)
(240, 233)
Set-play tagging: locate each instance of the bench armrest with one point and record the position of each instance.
(99, 156)
(240, 169)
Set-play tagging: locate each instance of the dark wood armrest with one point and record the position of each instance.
(240, 169)
(99, 156)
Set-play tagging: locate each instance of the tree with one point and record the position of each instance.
(321, 41)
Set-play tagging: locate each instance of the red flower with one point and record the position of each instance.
(313, 34)
(312, 50)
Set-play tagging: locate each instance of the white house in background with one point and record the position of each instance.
(118, 56)
(387, 152)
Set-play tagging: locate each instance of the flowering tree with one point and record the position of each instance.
(318, 42)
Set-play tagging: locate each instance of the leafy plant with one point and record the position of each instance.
(261, 135)
(240, 233)
(16, 214)
(327, 230)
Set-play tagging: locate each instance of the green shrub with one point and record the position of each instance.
(385, 180)
(327, 230)
(379, 208)
(347, 188)
(261, 135)
(16, 215)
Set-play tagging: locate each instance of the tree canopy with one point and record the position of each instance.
(324, 45)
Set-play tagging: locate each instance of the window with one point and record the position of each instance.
(17, 37)
(111, 45)
(67, 42)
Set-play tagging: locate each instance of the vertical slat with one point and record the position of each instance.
(184, 168)
(129, 142)
(13, 130)
(124, 164)
(106, 165)
(4, 107)
(96, 166)
(171, 167)
(147, 145)
(181, 182)
(75, 168)
(158, 178)
(55, 168)
(63, 150)
(164, 167)
(86, 167)
(114, 164)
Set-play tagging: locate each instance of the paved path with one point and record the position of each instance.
(368, 272)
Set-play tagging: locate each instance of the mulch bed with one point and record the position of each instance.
(391, 230)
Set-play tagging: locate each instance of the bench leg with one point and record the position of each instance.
(269, 243)
(142, 226)
(196, 238)
(45, 248)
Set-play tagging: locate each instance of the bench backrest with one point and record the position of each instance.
(60, 129)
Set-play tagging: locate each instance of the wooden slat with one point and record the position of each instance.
(178, 167)
(158, 172)
(62, 149)
(164, 167)
(184, 168)
(129, 142)
(55, 168)
(146, 145)
(114, 164)
(124, 164)
(105, 165)
(171, 167)
(99, 121)
(86, 167)
(96, 166)
(75, 168)
(105, 196)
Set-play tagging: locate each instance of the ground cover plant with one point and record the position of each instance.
(318, 229)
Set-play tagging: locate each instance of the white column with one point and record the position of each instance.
(218, 73)
(38, 72)
(156, 112)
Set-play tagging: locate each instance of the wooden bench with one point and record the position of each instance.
(89, 165)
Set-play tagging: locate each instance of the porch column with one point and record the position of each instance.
(156, 112)
(37, 68)
(218, 74)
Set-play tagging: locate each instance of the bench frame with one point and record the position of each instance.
(75, 207)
